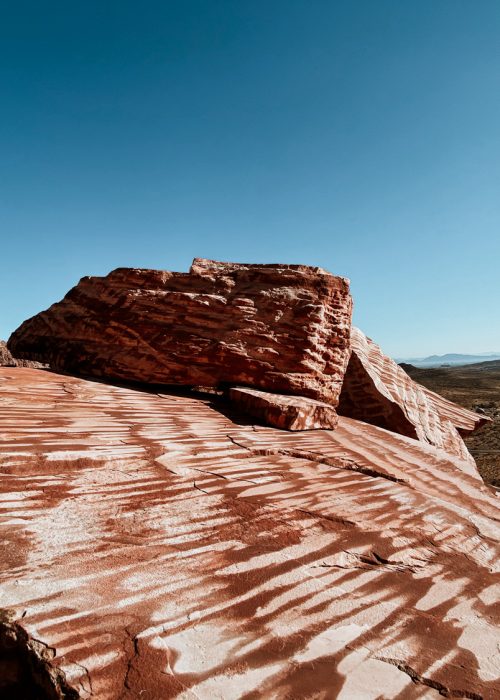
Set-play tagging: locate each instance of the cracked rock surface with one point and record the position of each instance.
(164, 547)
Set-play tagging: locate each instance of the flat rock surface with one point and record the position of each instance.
(377, 390)
(285, 412)
(165, 548)
(282, 328)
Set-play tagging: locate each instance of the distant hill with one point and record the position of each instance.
(450, 359)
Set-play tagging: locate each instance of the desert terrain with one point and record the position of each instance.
(476, 387)
(311, 525)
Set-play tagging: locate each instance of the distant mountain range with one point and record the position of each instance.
(450, 358)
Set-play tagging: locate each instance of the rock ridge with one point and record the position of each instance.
(378, 391)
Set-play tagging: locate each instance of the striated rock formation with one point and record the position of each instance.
(281, 328)
(286, 412)
(378, 391)
(155, 545)
(161, 550)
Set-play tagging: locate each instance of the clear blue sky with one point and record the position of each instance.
(362, 136)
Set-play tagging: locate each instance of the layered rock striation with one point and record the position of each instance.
(286, 412)
(281, 328)
(157, 545)
(378, 391)
(280, 333)
(160, 549)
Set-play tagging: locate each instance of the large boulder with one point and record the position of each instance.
(281, 328)
(378, 391)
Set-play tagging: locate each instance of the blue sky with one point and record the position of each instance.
(362, 136)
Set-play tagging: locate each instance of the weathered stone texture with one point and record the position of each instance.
(378, 391)
(162, 550)
(286, 412)
(282, 328)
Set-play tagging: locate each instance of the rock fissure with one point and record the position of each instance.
(318, 458)
(429, 682)
(131, 650)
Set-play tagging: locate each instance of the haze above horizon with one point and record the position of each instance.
(361, 137)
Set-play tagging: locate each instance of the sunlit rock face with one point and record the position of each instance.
(378, 391)
(163, 549)
(281, 328)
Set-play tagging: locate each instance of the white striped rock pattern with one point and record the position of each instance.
(165, 547)
(285, 412)
(377, 390)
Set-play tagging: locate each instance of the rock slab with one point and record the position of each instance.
(285, 412)
(281, 328)
(378, 391)
(161, 550)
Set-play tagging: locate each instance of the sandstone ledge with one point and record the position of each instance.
(6, 359)
(286, 412)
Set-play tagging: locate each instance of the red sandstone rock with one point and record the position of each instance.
(378, 391)
(287, 412)
(465, 421)
(163, 551)
(283, 328)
